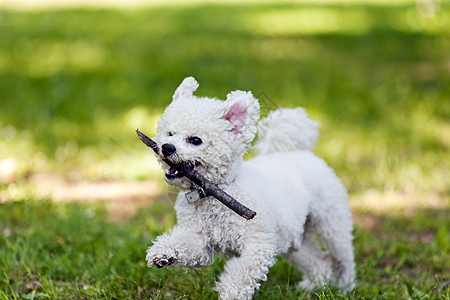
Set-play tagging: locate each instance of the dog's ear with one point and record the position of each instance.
(186, 88)
(242, 111)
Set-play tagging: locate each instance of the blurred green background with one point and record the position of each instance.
(76, 82)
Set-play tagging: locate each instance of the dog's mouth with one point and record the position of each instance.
(172, 173)
(178, 172)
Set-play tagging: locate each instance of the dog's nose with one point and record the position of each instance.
(168, 149)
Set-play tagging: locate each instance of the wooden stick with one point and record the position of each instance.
(210, 188)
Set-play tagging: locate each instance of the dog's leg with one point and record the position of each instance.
(337, 239)
(181, 248)
(242, 274)
(315, 264)
(335, 232)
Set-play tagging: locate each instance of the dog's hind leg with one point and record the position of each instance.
(334, 228)
(315, 263)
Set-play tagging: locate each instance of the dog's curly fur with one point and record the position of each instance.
(302, 208)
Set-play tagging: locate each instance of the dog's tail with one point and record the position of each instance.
(286, 129)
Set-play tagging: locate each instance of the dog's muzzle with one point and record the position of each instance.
(169, 150)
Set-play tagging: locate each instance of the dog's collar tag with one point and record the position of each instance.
(194, 195)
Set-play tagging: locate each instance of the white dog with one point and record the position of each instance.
(302, 209)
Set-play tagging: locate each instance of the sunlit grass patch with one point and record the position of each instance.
(306, 21)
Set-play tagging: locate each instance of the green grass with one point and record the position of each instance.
(72, 251)
(76, 83)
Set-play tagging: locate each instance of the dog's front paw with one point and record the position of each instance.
(160, 260)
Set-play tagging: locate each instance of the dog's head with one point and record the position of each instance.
(207, 134)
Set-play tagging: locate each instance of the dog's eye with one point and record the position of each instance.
(169, 133)
(194, 140)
